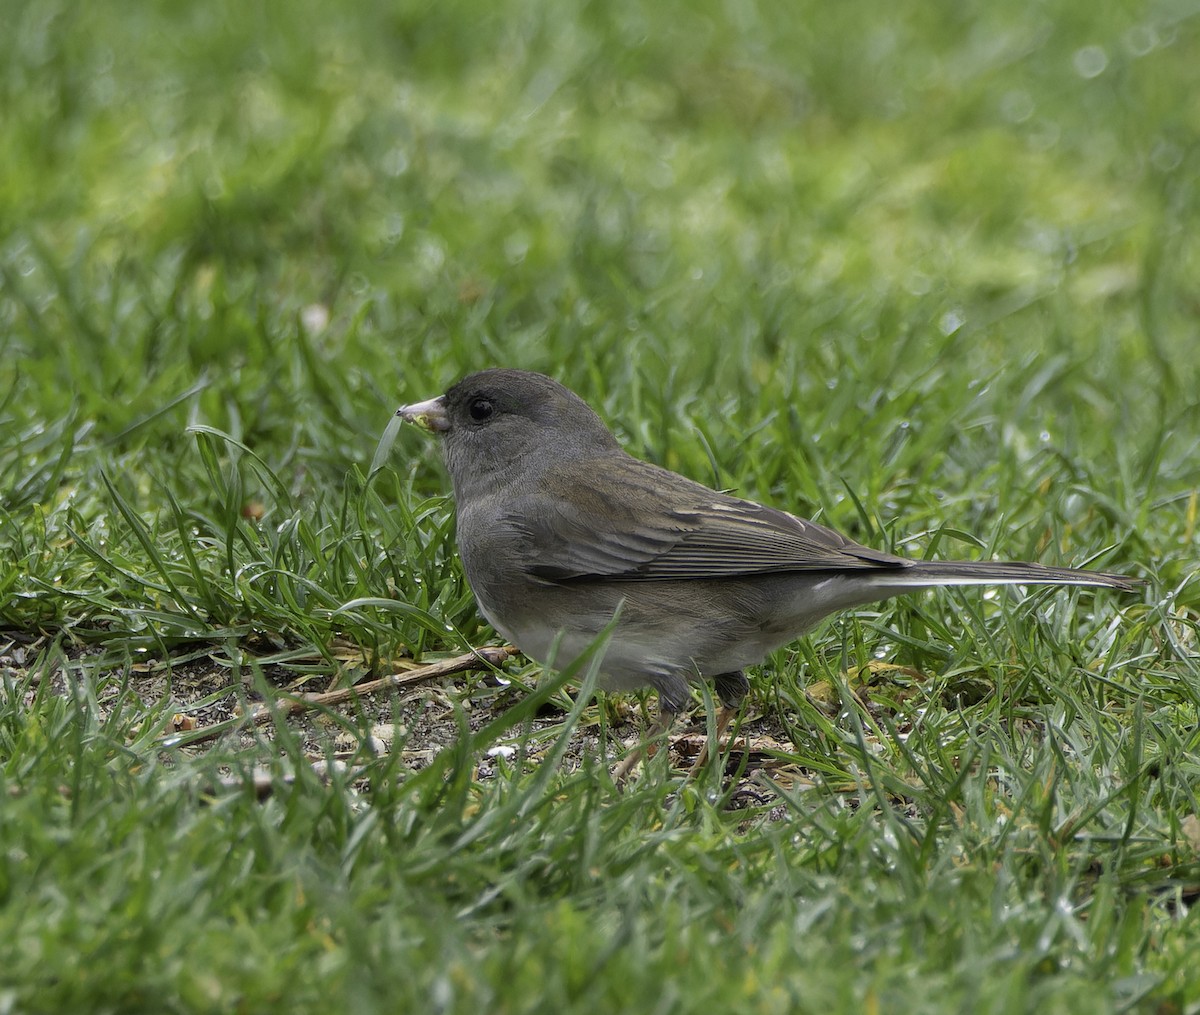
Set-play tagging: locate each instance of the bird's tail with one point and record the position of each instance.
(929, 573)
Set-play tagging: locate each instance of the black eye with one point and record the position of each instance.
(480, 409)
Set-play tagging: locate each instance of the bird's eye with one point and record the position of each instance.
(481, 409)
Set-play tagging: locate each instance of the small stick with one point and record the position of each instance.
(481, 658)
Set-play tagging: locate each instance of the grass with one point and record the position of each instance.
(926, 272)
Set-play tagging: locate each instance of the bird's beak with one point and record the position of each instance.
(429, 415)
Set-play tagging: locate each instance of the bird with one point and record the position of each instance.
(560, 530)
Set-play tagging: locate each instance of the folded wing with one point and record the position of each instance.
(650, 524)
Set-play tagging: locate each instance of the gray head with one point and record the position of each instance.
(497, 421)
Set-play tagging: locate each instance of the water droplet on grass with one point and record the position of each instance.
(1141, 39)
(1090, 61)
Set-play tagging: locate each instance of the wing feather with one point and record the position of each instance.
(644, 523)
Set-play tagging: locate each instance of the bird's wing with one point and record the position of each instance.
(633, 520)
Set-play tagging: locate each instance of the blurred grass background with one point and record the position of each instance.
(928, 271)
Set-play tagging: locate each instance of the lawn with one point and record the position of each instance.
(925, 272)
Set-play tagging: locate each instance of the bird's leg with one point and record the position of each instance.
(646, 749)
(725, 716)
(731, 689)
(672, 690)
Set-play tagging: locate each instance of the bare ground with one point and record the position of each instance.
(200, 705)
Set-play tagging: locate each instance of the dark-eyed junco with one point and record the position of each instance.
(558, 528)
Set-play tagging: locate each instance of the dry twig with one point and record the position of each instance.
(481, 658)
